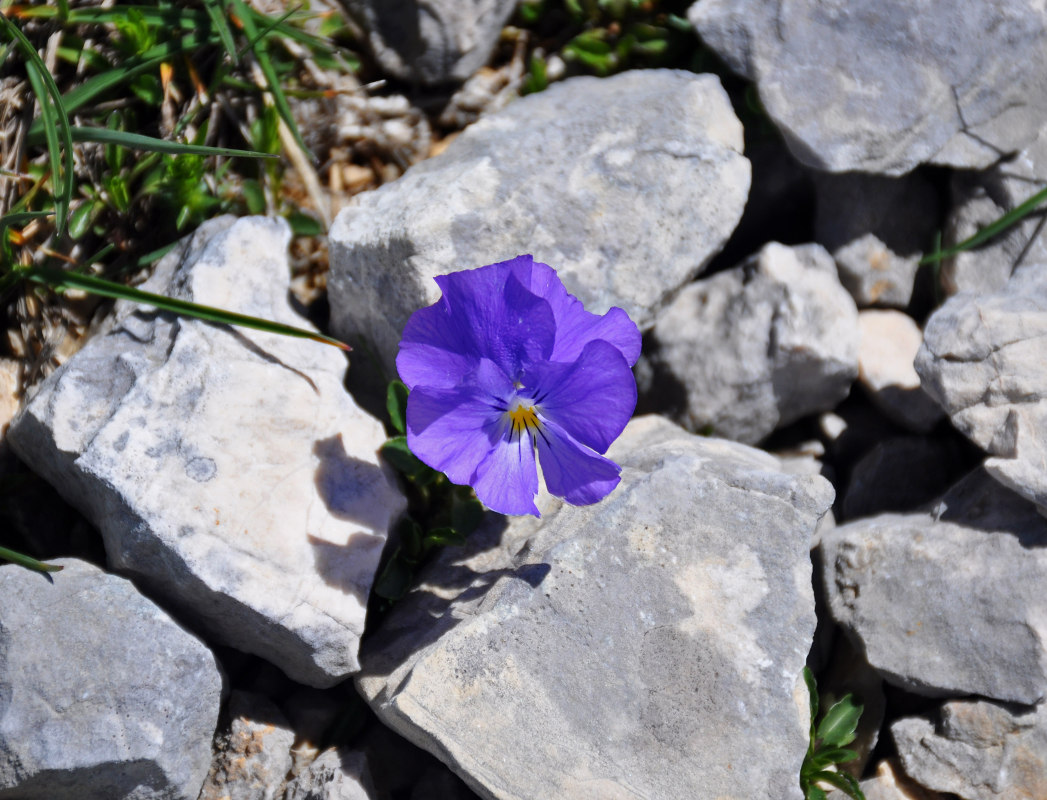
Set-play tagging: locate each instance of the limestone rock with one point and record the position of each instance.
(435, 41)
(337, 774)
(982, 360)
(104, 695)
(761, 345)
(623, 650)
(891, 783)
(884, 85)
(227, 470)
(981, 198)
(947, 602)
(253, 755)
(978, 750)
(876, 229)
(626, 185)
(890, 341)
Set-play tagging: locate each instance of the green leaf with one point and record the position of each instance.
(217, 15)
(445, 537)
(409, 534)
(55, 123)
(1008, 220)
(61, 280)
(814, 793)
(842, 781)
(258, 47)
(396, 405)
(136, 141)
(27, 562)
(812, 690)
(397, 453)
(254, 196)
(467, 513)
(304, 225)
(21, 217)
(394, 580)
(840, 721)
(83, 217)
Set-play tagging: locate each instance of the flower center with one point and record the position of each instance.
(523, 416)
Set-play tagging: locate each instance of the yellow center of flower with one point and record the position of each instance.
(523, 416)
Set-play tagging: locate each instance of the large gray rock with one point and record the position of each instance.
(628, 649)
(432, 41)
(876, 229)
(978, 751)
(981, 198)
(101, 693)
(883, 85)
(948, 602)
(227, 470)
(891, 783)
(761, 345)
(627, 186)
(982, 360)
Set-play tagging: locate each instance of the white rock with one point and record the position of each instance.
(947, 602)
(102, 694)
(889, 343)
(227, 470)
(977, 750)
(761, 345)
(884, 85)
(622, 650)
(626, 185)
(983, 360)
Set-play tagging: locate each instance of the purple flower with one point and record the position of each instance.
(507, 361)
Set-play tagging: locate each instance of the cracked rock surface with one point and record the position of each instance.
(884, 85)
(260, 513)
(627, 186)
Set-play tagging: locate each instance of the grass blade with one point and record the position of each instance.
(55, 122)
(61, 279)
(269, 71)
(27, 562)
(1009, 219)
(136, 141)
(217, 14)
(21, 218)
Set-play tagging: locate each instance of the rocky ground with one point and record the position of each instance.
(839, 457)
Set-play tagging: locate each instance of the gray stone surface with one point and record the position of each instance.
(889, 343)
(983, 361)
(627, 186)
(432, 41)
(981, 198)
(227, 470)
(629, 649)
(876, 229)
(891, 783)
(336, 774)
(948, 602)
(760, 345)
(884, 85)
(253, 756)
(101, 693)
(977, 750)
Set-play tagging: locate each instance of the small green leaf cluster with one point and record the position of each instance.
(440, 513)
(827, 745)
(602, 37)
